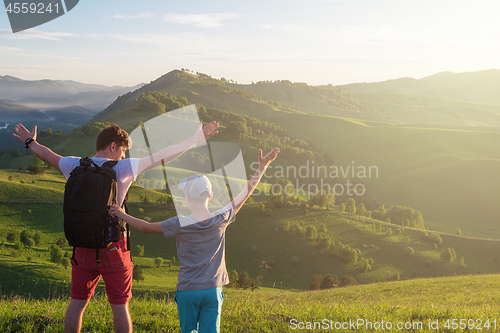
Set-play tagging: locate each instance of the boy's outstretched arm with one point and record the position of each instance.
(240, 199)
(138, 224)
(42, 152)
(171, 153)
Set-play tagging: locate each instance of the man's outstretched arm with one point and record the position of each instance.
(240, 199)
(42, 152)
(171, 153)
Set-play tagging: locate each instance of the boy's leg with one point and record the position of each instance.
(210, 313)
(188, 306)
(74, 315)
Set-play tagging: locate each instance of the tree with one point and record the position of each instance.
(11, 237)
(316, 282)
(61, 242)
(350, 206)
(448, 255)
(462, 262)
(329, 282)
(30, 242)
(311, 232)
(139, 251)
(36, 167)
(348, 281)
(342, 208)
(146, 200)
(65, 262)
(38, 238)
(379, 213)
(233, 279)
(361, 210)
(56, 254)
(25, 235)
(458, 232)
(158, 262)
(137, 273)
(244, 280)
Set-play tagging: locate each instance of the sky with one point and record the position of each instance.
(314, 41)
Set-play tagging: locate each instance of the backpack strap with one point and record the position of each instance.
(111, 164)
(87, 162)
(73, 257)
(125, 208)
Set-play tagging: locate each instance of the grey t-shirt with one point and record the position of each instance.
(201, 248)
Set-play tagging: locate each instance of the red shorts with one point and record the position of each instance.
(116, 269)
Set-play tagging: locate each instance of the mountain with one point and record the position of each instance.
(476, 87)
(432, 154)
(50, 94)
(450, 99)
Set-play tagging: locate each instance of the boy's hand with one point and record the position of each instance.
(116, 210)
(266, 160)
(207, 131)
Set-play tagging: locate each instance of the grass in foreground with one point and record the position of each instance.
(413, 305)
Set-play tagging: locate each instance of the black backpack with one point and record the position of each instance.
(89, 192)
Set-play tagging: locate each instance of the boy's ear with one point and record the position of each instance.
(211, 196)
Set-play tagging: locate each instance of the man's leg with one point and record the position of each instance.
(74, 315)
(121, 318)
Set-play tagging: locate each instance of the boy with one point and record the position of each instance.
(200, 248)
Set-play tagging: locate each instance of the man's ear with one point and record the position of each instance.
(211, 196)
(112, 146)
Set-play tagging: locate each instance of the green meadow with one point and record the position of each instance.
(453, 304)
(436, 155)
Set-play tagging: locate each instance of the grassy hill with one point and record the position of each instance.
(437, 161)
(457, 304)
(34, 203)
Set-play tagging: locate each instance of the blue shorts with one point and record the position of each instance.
(199, 310)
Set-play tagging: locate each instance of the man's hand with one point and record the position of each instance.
(23, 133)
(204, 133)
(266, 160)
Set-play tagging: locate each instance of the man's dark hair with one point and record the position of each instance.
(112, 134)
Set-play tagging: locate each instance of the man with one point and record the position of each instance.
(116, 266)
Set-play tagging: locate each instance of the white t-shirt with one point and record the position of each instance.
(126, 171)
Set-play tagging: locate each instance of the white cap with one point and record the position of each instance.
(196, 186)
